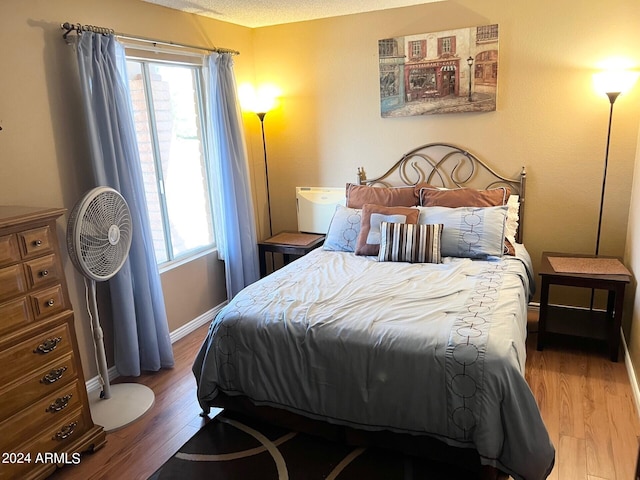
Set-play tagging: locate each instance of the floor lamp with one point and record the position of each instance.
(612, 83)
(265, 101)
(612, 98)
(261, 101)
(261, 116)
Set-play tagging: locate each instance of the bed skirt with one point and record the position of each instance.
(417, 445)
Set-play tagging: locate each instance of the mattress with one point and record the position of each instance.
(435, 349)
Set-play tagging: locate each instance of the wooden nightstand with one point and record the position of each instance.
(287, 243)
(587, 271)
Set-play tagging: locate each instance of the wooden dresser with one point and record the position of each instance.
(44, 410)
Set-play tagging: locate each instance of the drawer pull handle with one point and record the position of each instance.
(37, 243)
(66, 431)
(44, 273)
(53, 376)
(59, 404)
(50, 302)
(49, 345)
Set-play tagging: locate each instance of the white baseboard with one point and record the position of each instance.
(94, 383)
(196, 323)
(633, 380)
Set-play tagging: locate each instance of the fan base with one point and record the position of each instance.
(128, 402)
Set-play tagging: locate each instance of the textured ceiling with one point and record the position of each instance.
(261, 13)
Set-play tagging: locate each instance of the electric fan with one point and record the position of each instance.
(98, 240)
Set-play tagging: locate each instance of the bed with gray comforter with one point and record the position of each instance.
(434, 349)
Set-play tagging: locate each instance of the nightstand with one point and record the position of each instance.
(587, 271)
(287, 243)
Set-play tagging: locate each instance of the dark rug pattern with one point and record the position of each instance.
(233, 447)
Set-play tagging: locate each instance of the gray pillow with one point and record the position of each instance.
(343, 229)
(471, 232)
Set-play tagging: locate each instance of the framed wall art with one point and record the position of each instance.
(452, 71)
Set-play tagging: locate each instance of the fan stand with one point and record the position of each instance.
(115, 406)
(128, 402)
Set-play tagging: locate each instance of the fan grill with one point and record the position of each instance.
(101, 233)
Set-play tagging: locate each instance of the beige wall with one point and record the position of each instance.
(43, 154)
(631, 324)
(188, 291)
(549, 119)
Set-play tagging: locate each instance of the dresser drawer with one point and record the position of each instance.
(41, 271)
(12, 282)
(14, 314)
(9, 251)
(47, 302)
(33, 353)
(39, 384)
(36, 241)
(55, 438)
(43, 401)
(29, 422)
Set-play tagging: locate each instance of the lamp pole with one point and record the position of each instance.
(470, 63)
(612, 98)
(261, 116)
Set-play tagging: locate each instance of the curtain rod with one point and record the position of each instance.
(70, 27)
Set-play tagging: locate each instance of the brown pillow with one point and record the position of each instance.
(372, 216)
(359, 195)
(464, 197)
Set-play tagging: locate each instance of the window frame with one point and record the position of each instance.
(447, 46)
(388, 47)
(418, 49)
(146, 56)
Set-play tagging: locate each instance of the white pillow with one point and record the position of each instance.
(471, 232)
(513, 218)
(343, 229)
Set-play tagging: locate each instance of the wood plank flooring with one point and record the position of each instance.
(585, 401)
(138, 450)
(588, 408)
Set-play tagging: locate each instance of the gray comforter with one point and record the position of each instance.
(417, 348)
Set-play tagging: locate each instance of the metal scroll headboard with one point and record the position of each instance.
(449, 166)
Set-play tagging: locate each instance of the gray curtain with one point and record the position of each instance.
(141, 333)
(235, 221)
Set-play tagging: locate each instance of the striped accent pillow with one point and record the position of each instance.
(408, 242)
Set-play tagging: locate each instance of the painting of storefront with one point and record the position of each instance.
(442, 72)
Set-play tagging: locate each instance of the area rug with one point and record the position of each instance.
(233, 447)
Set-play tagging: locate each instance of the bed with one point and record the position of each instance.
(421, 348)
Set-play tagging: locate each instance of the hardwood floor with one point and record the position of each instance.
(585, 401)
(588, 407)
(138, 450)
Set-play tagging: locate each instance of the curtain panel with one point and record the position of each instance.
(141, 332)
(234, 214)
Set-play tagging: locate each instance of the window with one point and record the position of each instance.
(418, 49)
(486, 68)
(389, 75)
(388, 47)
(446, 46)
(168, 112)
(487, 33)
(422, 78)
